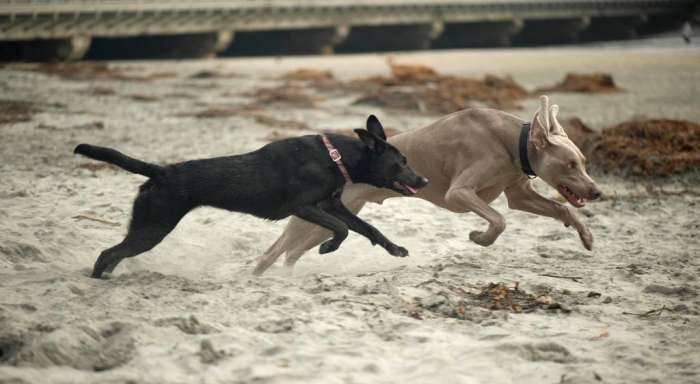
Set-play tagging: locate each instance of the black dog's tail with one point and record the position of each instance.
(120, 160)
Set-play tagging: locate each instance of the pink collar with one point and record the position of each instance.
(337, 159)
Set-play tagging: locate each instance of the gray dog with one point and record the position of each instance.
(471, 157)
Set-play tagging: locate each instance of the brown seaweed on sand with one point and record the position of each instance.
(654, 147)
(15, 111)
(90, 71)
(498, 296)
(287, 95)
(447, 94)
(583, 83)
(306, 74)
(649, 147)
(419, 88)
(473, 302)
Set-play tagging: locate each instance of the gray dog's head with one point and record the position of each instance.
(557, 160)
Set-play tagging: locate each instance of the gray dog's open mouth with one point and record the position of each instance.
(405, 189)
(571, 196)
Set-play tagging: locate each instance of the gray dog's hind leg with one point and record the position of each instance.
(302, 236)
(365, 229)
(320, 217)
(271, 255)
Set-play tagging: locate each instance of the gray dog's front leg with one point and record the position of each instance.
(466, 199)
(524, 198)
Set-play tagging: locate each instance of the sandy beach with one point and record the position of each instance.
(190, 311)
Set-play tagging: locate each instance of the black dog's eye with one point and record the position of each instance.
(403, 161)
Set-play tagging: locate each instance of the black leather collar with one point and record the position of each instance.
(522, 148)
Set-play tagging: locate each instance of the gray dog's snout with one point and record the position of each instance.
(596, 194)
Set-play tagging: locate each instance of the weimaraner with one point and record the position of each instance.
(470, 158)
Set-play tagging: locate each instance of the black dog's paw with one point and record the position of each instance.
(101, 275)
(328, 247)
(397, 250)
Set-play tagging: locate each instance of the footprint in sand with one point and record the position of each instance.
(545, 351)
(81, 347)
(18, 252)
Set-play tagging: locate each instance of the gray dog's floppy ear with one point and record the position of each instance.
(375, 127)
(371, 140)
(539, 129)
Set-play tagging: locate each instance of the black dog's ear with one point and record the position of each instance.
(371, 140)
(375, 127)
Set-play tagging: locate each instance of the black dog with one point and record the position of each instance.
(301, 176)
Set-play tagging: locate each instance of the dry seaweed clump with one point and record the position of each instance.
(15, 111)
(443, 94)
(89, 71)
(584, 83)
(500, 297)
(421, 88)
(287, 94)
(656, 147)
(478, 302)
(412, 72)
(305, 74)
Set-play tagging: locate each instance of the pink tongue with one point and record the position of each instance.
(413, 191)
(575, 201)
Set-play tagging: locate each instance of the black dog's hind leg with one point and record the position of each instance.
(154, 216)
(318, 216)
(365, 229)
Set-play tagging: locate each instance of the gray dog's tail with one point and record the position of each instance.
(120, 160)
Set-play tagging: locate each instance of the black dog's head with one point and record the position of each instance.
(387, 166)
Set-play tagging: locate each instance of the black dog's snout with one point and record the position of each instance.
(422, 181)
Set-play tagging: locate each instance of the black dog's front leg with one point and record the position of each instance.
(365, 229)
(318, 216)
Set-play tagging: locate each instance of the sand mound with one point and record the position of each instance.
(656, 147)
(583, 83)
(189, 325)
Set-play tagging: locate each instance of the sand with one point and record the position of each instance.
(190, 311)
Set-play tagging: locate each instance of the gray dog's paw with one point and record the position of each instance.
(480, 238)
(328, 247)
(397, 250)
(587, 239)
